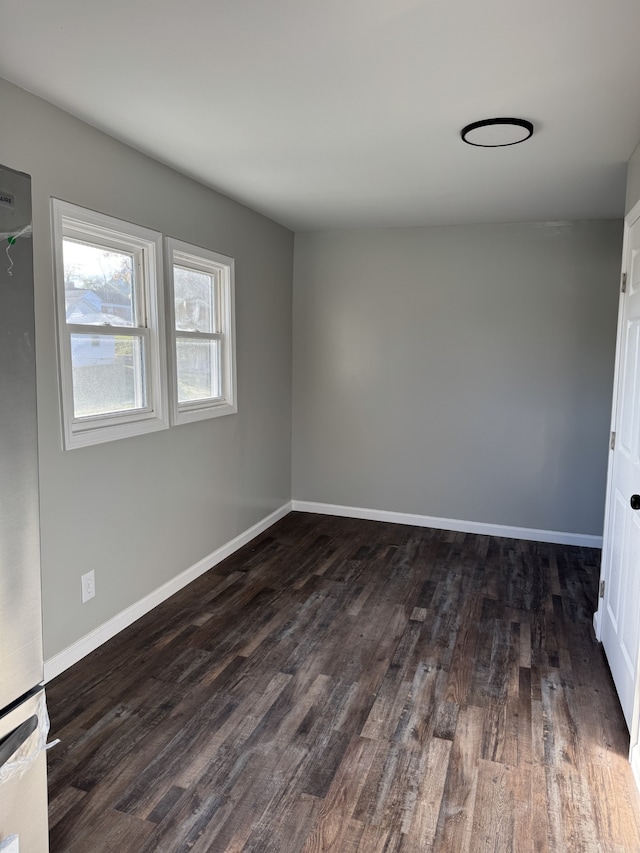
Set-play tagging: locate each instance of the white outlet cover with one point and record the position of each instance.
(88, 584)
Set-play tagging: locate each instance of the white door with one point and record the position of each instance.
(620, 614)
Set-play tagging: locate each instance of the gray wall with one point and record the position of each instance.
(141, 510)
(460, 372)
(633, 180)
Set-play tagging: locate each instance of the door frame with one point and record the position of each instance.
(634, 754)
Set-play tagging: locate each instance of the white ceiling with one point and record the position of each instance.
(346, 113)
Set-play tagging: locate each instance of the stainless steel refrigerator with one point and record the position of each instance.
(23, 716)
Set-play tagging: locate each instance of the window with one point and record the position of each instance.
(110, 326)
(202, 351)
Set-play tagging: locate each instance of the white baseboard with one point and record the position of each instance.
(634, 758)
(596, 624)
(529, 533)
(82, 647)
(91, 641)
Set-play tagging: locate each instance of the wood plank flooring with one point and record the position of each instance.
(343, 685)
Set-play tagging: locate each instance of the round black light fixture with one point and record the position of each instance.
(497, 132)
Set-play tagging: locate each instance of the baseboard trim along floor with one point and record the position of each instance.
(91, 641)
(635, 762)
(556, 537)
(76, 651)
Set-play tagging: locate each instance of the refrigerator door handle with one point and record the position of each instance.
(12, 742)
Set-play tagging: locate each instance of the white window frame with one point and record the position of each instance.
(72, 221)
(223, 268)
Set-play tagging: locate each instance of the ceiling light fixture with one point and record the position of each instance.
(497, 132)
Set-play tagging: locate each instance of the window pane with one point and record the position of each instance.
(198, 370)
(194, 294)
(98, 285)
(108, 374)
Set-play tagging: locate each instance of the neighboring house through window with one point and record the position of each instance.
(111, 333)
(110, 326)
(202, 351)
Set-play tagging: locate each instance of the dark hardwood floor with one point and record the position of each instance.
(342, 685)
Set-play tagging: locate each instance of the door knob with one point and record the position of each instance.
(635, 501)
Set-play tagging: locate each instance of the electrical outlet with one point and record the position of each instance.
(88, 582)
